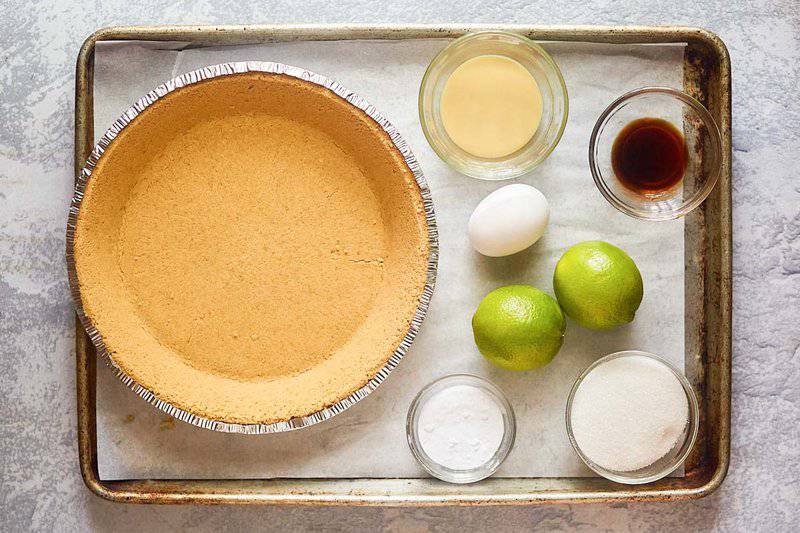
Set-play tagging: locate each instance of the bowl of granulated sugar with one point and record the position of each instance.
(632, 417)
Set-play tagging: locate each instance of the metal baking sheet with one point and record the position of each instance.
(706, 71)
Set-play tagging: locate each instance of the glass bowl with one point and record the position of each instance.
(543, 69)
(666, 464)
(449, 474)
(703, 148)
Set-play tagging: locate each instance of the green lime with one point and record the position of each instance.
(518, 327)
(598, 285)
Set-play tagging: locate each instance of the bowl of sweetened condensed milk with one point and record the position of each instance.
(493, 105)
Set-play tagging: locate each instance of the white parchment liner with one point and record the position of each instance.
(227, 69)
(369, 440)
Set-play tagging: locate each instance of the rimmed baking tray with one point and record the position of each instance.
(708, 298)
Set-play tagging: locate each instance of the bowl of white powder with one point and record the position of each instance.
(460, 428)
(632, 417)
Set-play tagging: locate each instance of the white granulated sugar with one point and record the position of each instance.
(628, 413)
(461, 427)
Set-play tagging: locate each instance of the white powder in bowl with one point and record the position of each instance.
(460, 427)
(628, 413)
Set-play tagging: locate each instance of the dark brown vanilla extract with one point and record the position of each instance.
(649, 155)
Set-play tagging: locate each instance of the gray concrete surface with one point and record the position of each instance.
(41, 487)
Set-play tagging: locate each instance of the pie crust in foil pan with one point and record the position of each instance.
(227, 69)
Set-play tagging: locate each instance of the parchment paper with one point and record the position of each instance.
(368, 440)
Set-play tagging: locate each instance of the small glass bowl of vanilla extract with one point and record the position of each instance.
(655, 153)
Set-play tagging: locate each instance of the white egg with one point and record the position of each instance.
(508, 220)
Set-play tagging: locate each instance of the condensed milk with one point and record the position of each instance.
(491, 106)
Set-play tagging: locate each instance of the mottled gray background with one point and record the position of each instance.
(41, 487)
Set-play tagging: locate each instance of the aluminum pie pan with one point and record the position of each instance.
(228, 69)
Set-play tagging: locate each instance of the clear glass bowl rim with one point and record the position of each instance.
(715, 150)
(691, 437)
(531, 163)
(472, 475)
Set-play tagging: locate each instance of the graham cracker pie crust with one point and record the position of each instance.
(251, 248)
